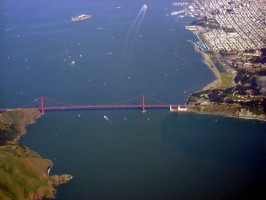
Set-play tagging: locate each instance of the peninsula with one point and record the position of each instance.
(24, 174)
(232, 41)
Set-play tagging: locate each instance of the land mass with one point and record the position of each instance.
(24, 173)
(236, 54)
(235, 95)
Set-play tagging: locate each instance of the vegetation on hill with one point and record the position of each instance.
(243, 99)
(13, 122)
(226, 80)
(23, 173)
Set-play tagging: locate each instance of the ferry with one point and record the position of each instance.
(80, 17)
(178, 108)
(177, 12)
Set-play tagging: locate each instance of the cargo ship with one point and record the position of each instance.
(80, 17)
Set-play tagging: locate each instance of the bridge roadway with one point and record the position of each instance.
(100, 107)
(62, 106)
(106, 107)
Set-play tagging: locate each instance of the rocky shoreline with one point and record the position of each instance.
(244, 114)
(36, 182)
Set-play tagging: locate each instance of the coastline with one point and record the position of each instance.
(13, 123)
(241, 113)
(207, 61)
(215, 85)
(29, 119)
(261, 119)
(218, 81)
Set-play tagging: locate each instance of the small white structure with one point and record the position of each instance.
(176, 108)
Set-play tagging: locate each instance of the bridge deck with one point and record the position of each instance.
(61, 106)
(100, 107)
(106, 107)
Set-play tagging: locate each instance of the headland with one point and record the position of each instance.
(24, 173)
(234, 52)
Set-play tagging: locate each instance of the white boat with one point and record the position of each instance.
(80, 17)
(177, 12)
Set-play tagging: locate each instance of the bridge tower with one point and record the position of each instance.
(42, 104)
(143, 104)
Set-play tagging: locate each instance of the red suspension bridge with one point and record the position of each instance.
(44, 104)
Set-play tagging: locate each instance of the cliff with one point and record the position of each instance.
(24, 173)
(13, 123)
(231, 110)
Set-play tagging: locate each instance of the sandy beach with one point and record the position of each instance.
(217, 82)
(206, 60)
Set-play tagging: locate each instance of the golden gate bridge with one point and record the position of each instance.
(45, 105)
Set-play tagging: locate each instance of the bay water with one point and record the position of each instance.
(119, 53)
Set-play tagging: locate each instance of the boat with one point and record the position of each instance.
(177, 12)
(177, 108)
(81, 17)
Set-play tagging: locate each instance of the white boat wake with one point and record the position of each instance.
(107, 119)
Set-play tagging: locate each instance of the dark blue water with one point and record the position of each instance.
(39, 43)
(156, 155)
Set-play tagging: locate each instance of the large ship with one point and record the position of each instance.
(80, 17)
